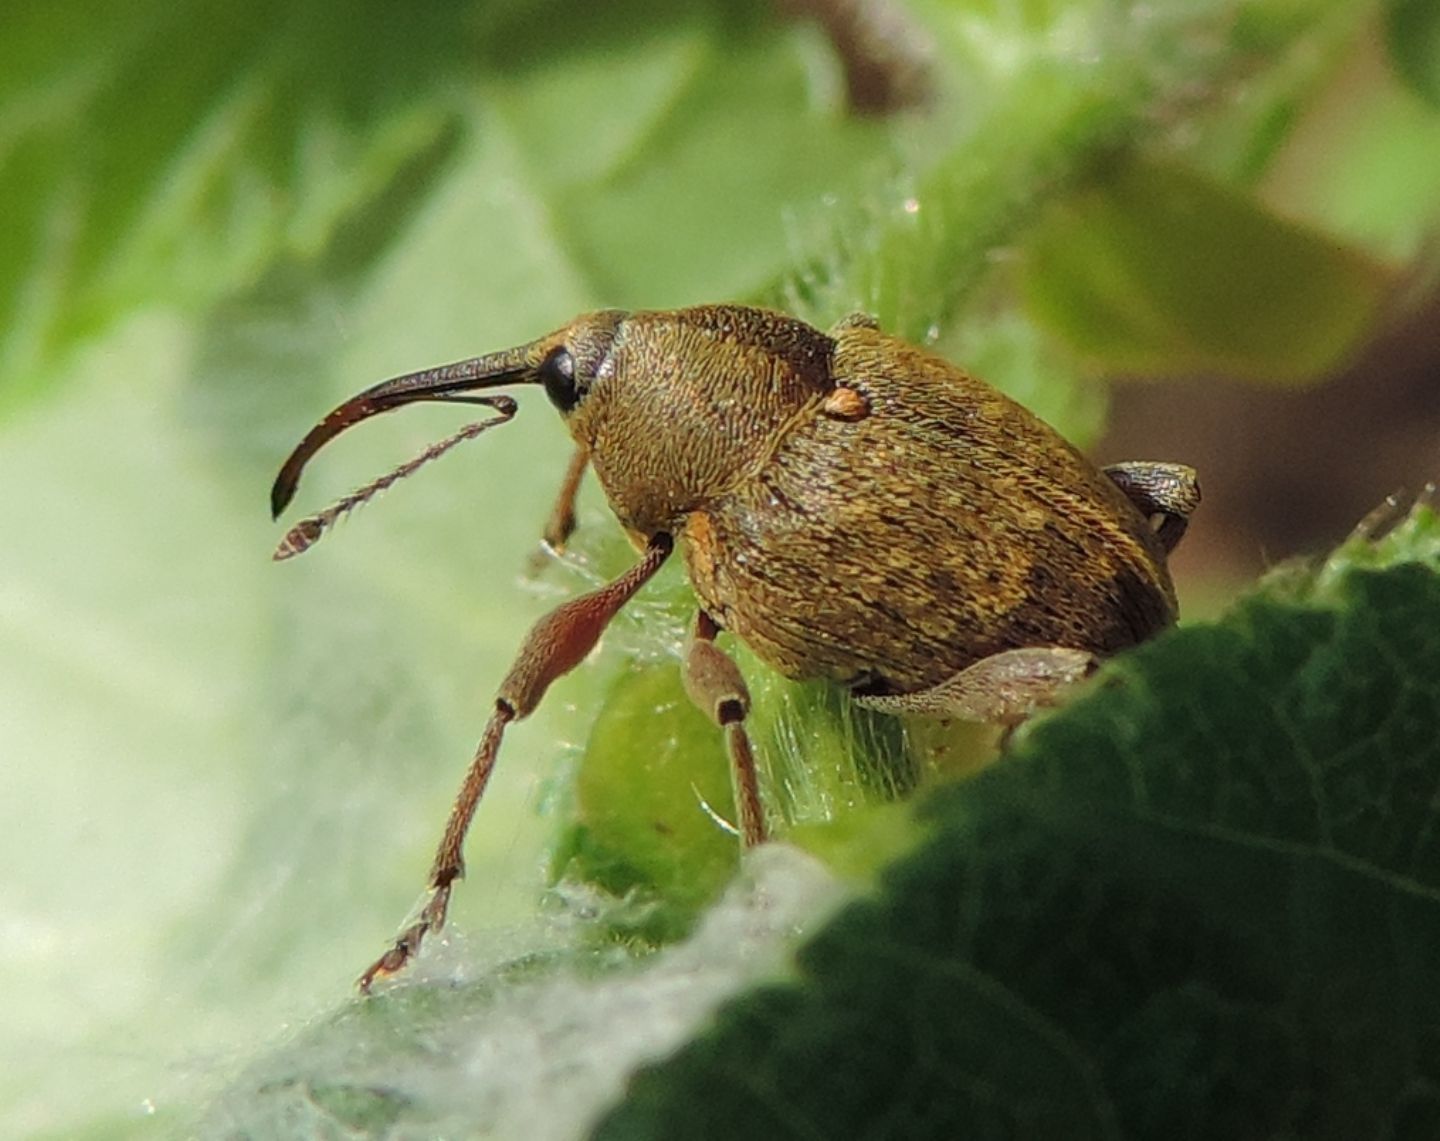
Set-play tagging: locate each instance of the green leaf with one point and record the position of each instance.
(1047, 93)
(713, 121)
(654, 811)
(1198, 901)
(637, 832)
(1412, 31)
(1202, 901)
(223, 779)
(534, 1050)
(1153, 269)
(169, 153)
(179, 154)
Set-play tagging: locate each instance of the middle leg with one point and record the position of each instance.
(714, 683)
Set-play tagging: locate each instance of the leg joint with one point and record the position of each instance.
(729, 710)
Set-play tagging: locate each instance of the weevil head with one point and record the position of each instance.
(561, 362)
(670, 406)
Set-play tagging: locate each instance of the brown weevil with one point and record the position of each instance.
(850, 506)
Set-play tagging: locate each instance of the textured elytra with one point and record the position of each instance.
(933, 523)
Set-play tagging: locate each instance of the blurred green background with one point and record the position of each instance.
(220, 779)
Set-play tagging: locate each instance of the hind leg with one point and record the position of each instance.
(1003, 689)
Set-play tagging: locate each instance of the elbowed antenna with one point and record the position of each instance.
(445, 383)
(306, 533)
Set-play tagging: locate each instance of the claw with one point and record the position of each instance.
(392, 960)
(407, 943)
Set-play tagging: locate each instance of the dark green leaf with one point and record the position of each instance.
(1201, 902)
(178, 154)
(165, 153)
(1153, 269)
(1412, 28)
(244, 790)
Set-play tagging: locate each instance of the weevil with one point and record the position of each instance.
(851, 506)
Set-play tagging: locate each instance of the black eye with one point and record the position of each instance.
(557, 373)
